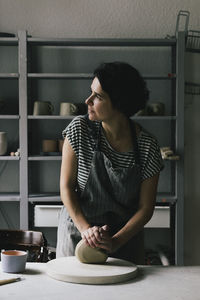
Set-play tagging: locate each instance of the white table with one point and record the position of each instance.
(152, 283)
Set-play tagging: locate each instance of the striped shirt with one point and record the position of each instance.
(82, 143)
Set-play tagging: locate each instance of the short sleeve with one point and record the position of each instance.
(152, 159)
(73, 133)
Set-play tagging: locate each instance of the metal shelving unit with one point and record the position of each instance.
(11, 76)
(177, 45)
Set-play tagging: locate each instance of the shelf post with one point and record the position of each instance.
(23, 140)
(179, 228)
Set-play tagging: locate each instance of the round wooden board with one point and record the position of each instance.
(70, 269)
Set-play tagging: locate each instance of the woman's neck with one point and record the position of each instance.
(116, 127)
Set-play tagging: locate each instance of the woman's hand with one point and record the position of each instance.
(97, 236)
(92, 236)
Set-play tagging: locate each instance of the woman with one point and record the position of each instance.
(110, 168)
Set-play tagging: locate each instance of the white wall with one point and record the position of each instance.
(123, 19)
(95, 18)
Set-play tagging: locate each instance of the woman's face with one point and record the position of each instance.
(99, 104)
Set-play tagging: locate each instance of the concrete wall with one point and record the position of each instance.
(123, 19)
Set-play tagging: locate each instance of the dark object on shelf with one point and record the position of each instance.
(152, 109)
(6, 34)
(32, 241)
(49, 145)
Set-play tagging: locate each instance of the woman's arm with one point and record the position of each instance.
(141, 217)
(68, 181)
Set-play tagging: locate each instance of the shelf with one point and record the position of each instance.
(61, 75)
(9, 75)
(9, 197)
(48, 117)
(101, 42)
(44, 158)
(57, 117)
(89, 76)
(10, 117)
(163, 198)
(162, 118)
(44, 197)
(9, 157)
(12, 41)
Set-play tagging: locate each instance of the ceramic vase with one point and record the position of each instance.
(3, 143)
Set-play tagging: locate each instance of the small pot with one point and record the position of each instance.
(13, 261)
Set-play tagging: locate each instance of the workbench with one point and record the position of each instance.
(152, 283)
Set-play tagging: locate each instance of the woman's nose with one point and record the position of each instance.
(89, 100)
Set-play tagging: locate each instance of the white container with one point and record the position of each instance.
(160, 218)
(46, 215)
(3, 142)
(13, 261)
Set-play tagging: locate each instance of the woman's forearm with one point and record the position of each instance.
(131, 228)
(70, 200)
(144, 213)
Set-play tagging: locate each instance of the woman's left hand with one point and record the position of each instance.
(107, 243)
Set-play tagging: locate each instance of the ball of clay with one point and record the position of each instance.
(89, 255)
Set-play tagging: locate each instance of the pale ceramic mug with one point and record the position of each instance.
(60, 145)
(3, 143)
(155, 109)
(49, 145)
(13, 261)
(42, 108)
(67, 108)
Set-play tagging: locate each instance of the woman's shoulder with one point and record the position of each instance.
(146, 138)
(80, 124)
(82, 120)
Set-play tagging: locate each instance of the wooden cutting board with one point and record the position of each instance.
(70, 269)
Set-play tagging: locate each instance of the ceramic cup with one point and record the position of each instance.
(67, 108)
(13, 261)
(3, 143)
(49, 145)
(60, 145)
(42, 108)
(155, 109)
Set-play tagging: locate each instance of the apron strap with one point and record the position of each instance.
(135, 142)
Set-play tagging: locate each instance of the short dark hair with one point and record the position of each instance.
(124, 85)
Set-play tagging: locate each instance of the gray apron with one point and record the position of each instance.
(110, 197)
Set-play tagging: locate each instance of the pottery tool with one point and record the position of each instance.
(10, 280)
(70, 269)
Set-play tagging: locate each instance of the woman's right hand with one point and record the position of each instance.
(95, 236)
(92, 236)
